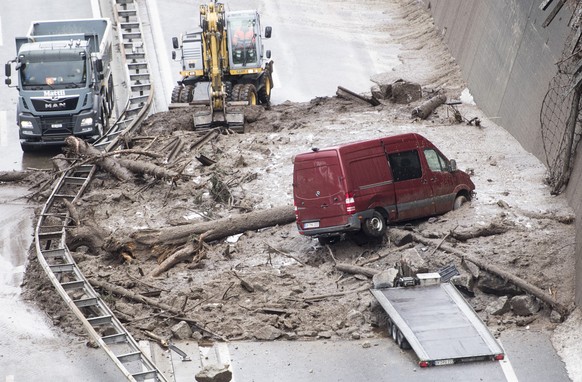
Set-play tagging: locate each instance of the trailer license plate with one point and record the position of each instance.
(57, 125)
(311, 225)
(442, 362)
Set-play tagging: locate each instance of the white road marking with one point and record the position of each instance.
(95, 9)
(223, 356)
(161, 49)
(3, 131)
(507, 368)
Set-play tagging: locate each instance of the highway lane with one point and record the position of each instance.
(31, 349)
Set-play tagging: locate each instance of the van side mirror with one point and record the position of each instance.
(175, 42)
(452, 165)
(173, 55)
(8, 70)
(268, 31)
(268, 54)
(99, 65)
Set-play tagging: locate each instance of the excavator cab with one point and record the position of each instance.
(243, 40)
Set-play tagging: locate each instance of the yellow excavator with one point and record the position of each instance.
(227, 55)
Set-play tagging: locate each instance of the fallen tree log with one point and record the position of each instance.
(13, 176)
(82, 148)
(216, 229)
(182, 254)
(490, 230)
(355, 269)
(517, 281)
(427, 107)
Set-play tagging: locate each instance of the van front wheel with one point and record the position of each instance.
(374, 226)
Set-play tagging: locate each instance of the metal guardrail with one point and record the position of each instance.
(54, 219)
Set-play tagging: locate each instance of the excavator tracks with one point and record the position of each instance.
(54, 219)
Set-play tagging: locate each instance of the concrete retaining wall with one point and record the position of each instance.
(508, 60)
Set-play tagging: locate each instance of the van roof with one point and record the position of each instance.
(388, 140)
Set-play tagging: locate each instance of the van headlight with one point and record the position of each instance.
(26, 124)
(87, 121)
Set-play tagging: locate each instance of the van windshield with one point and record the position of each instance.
(319, 181)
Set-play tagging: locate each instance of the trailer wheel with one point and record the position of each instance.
(175, 98)
(459, 202)
(401, 341)
(375, 226)
(395, 333)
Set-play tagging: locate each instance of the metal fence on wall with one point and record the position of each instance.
(559, 116)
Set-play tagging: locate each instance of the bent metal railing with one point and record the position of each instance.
(54, 219)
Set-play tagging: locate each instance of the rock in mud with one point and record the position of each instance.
(525, 305)
(214, 373)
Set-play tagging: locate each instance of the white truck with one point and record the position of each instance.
(64, 81)
(436, 321)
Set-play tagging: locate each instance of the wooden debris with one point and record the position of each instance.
(355, 269)
(141, 167)
(517, 281)
(427, 108)
(82, 148)
(217, 229)
(13, 176)
(345, 93)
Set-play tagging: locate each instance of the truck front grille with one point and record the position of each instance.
(56, 127)
(48, 104)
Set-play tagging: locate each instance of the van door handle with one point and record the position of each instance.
(424, 181)
(324, 205)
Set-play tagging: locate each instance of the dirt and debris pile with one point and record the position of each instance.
(235, 280)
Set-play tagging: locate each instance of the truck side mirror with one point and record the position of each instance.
(453, 165)
(99, 65)
(173, 55)
(175, 42)
(8, 70)
(268, 31)
(268, 53)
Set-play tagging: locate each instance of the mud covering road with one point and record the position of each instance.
(272, 283)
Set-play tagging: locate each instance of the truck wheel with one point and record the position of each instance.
(459, 202)
(375, 226)
(26, 148)
(236, 90)
(187, 94)
(249, 93)
(390, 326)
(265, 90)
(228, 90)
(175, 98)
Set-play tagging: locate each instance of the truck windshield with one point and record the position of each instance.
(54, 74)
(243, 41)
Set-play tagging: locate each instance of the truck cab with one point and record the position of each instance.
(64, 81)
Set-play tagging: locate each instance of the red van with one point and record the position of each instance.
(366, 185)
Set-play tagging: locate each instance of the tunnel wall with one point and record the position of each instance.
(508, 60)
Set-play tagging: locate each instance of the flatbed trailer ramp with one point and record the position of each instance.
(438, 323)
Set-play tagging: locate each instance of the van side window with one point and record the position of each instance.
(405, 165)
(435, 161)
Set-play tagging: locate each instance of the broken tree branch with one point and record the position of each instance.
(517, 281)
(82, 148)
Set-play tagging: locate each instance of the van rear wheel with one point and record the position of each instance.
(375, 226)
